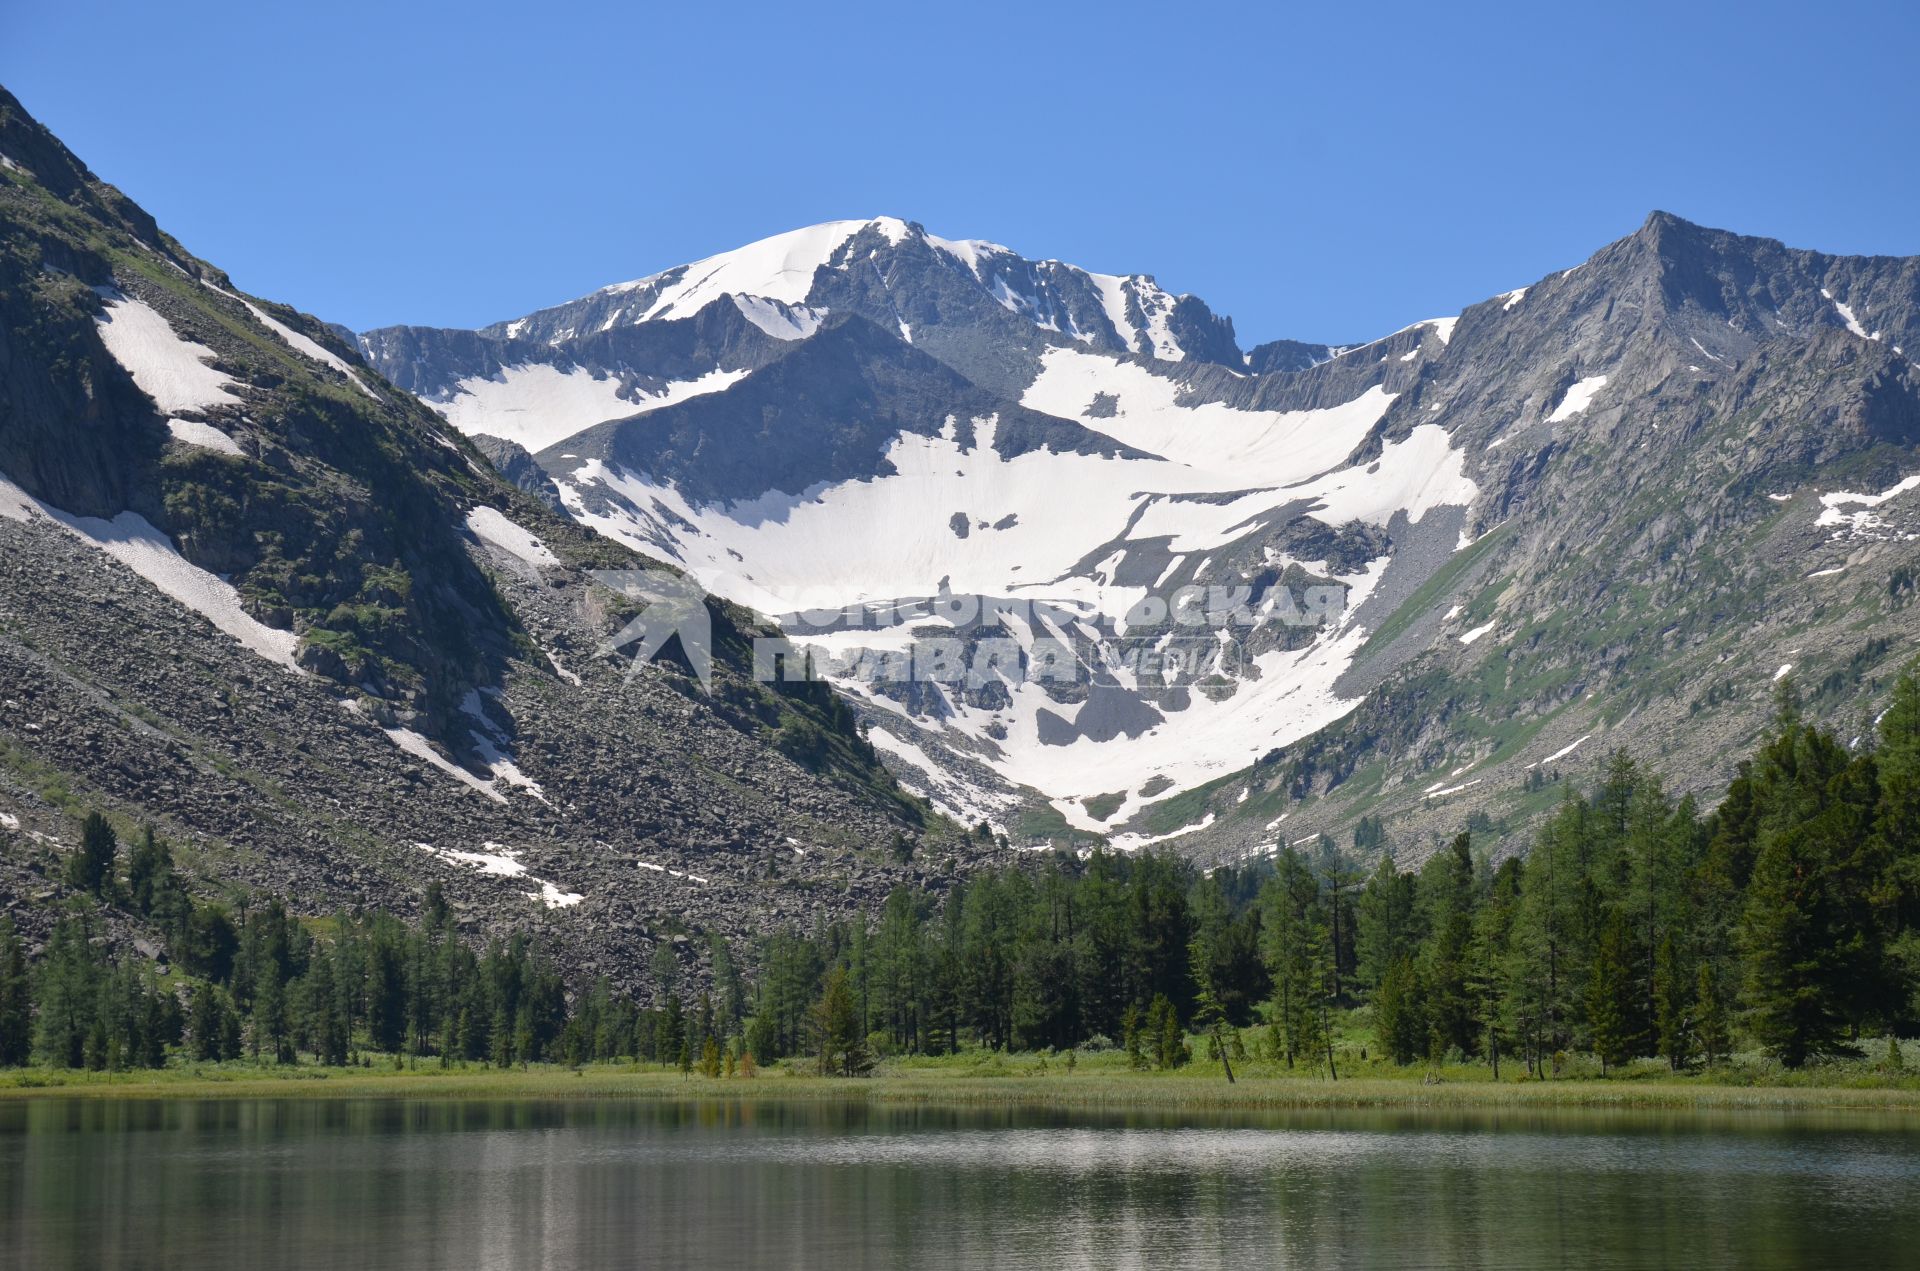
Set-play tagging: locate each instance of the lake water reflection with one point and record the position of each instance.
(554, 1184)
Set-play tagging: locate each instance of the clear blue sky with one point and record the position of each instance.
(1322, 172)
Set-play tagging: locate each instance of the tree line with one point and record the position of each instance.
(1788, 918)
(262, 984)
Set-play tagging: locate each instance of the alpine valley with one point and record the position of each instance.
(320, 603)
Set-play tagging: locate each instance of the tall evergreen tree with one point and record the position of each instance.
(1297, 951)
(1612, 996)
(90, 869)
(149, 872)
(68, 994)
(16, 999)
(1449, 896)
(839, 1047)
(1674, 1004)
(1387, 928)
(1488, 958)
(1399, 1012)
(1710, 1010)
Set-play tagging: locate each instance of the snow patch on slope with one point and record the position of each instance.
(1238, 447)
(1863, 521)
(501, 862)
(488, 742)
(492, 527)
(537, 405)
(1578, 397)
(192, 432)
(1847, 316)
(133, 541)
(781, 321)
(1563, 752)
(970, 252)
(168, 368)
(422, 749)
(1468, 637)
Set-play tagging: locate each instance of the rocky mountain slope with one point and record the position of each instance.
(255, 591)
(1603, 510)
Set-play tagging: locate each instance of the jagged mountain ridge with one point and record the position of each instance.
(1417, 472)
(255, 593)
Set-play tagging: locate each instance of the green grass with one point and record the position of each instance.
(985, 1078)
(1036, 822)
(1188, 806)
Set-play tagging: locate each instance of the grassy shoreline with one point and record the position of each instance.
(1088, 1089)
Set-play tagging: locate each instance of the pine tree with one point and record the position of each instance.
(1807, 935)
(1611, 994)
(1673, 1004)
(149, 872)
(1386, 924)
(271, 1020)
(1447, 886)
(1297, 951)
(839, 1045)
(1163, 1034)
(386, 989)
(16, 999)
(229, 1026)
(159, 1028)
(1488, 958)
(91, 868)
(1710, 1010)
(1211, 1021)
(68, 994)
(1543, 961)
(213, 1025)
(326, 1025)
(1399, 1013)
(1132, 1037)
(670, 1031)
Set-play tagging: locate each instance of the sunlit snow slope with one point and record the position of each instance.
(1058, 462)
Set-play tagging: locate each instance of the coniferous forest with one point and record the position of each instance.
(1784, 921)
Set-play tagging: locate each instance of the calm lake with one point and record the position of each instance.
(284, 1184)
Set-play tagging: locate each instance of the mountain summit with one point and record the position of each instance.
(1554, 517)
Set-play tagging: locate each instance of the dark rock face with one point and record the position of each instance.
(521, 469)
(823, 413)
(1287, 355)
(431, 361)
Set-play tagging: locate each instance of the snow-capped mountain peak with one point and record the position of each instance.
(866, 417)
(779, 268)
(897, 273)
